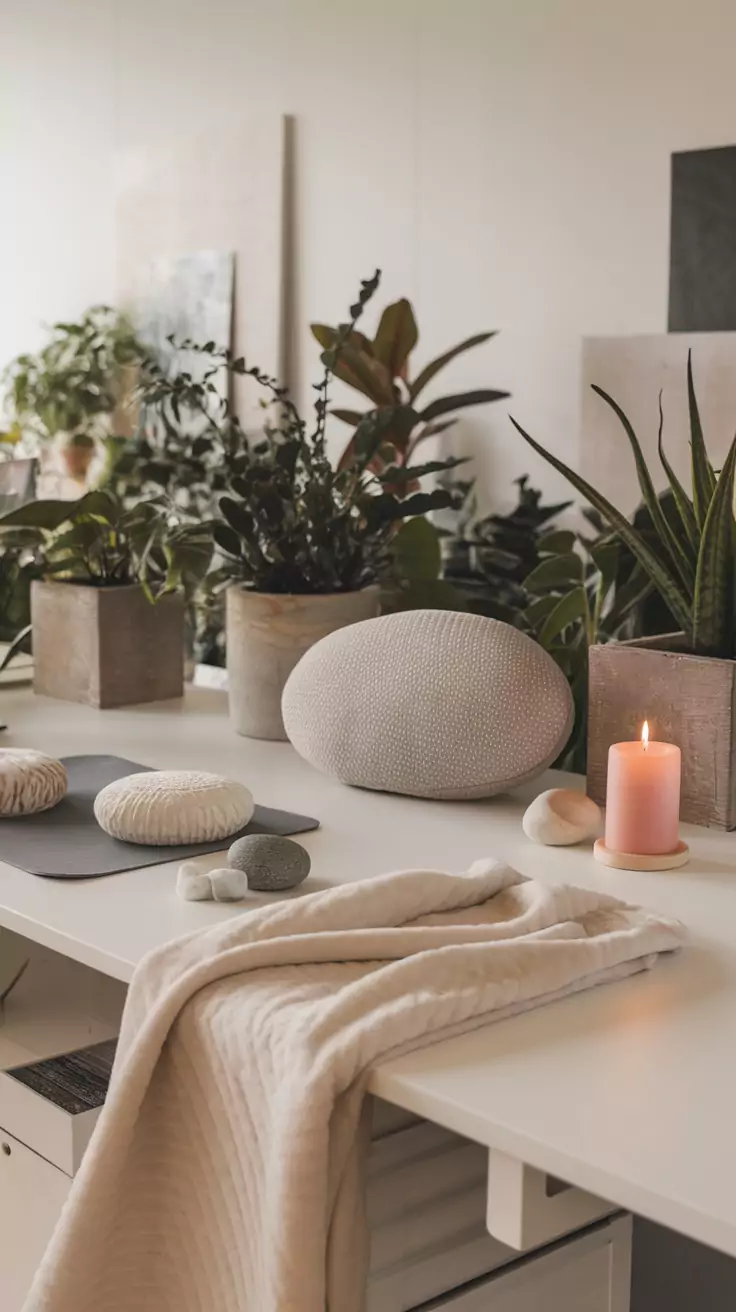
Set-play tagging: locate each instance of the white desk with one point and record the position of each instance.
(627, 1091)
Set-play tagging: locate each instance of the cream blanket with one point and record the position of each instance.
(225, 1174)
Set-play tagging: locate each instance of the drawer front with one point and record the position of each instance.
(591, 1273)
(32, 1194)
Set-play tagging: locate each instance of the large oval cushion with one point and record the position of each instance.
(29, 781)
(169, 807)
(430, 703)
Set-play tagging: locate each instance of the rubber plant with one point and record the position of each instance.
(380, 368)
(691, 563)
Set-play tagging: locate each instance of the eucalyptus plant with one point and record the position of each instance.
(691, 562)
(380, 369)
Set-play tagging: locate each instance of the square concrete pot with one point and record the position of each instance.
(106, 646)
(688, 700)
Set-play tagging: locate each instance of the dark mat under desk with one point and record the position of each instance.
(67, 842)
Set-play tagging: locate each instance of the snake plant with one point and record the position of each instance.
(690, 562)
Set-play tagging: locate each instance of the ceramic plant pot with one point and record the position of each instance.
(106, 646)
(267, 633)
(688, 700)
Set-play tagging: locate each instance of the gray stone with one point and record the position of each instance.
(270, 863)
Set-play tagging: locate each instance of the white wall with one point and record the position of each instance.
(506, 162)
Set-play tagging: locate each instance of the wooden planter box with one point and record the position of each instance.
(688, 700)
(106, 646)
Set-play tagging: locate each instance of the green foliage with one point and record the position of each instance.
(488, 560)
(380, 370)
(289, 522)
(98, 541)
(75, 380)
(689, 560)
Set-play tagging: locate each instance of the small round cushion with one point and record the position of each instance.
(29, 781)
(432, 703)
(166, 807)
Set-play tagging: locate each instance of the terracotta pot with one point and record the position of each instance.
(78, 457)
(106, 646)
(688, 700)
(267, 633)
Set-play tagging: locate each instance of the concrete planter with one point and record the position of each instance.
(106, 646)
(267, 633)
(688, 700)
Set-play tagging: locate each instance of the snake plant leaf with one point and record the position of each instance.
(570, 608)
(555, 572)
(704, 481)
(396, 337)
(682, 500)
(430, 370)
(713, 610)
(445, 404)
(667, 585)
(682, 564)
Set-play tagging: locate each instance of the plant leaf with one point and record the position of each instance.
(704, 482)
(682, 500)
(445, 404)
(555, 572)
(362, 372)
(396, 337)
(558, 542)
(430, 370)
(573, 606)
(713, 619)
(677, 554)
(352, 417)
(39, 514)
(416, 550)
(669, 587)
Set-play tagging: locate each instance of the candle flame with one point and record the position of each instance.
(645, 735)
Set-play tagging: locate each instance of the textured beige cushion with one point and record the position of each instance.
(29, 781)
(173, 806)
(430, 703)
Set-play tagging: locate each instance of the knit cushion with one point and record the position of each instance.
(429, 703)
(173, 806)
(29, 781)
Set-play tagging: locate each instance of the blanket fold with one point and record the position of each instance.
(226, 1173)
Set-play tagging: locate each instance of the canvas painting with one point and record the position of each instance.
(703, 241)
(186, 297)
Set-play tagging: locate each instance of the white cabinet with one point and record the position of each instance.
(32, 1194)
(590, 1273)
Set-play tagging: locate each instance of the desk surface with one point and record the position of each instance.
(628, 1091)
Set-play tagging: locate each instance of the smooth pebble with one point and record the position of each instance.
(228, 885)
(271, 863)
(560, 817)
(192, 885)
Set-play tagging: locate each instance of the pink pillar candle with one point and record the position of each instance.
(643, 798)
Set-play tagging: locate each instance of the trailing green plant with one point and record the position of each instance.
(74, 383)
(487, 560)
(290, 522)
(691, 564)
(380, 369)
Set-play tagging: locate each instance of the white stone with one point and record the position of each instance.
(228, 885)
(430, 703)
(192, 884)
(29, 781)
(173, 806)
(560, 817)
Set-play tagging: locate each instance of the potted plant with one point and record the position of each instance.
(684, 682)
(303, 546)
(69, 390)
(380, 369)
(107, 617)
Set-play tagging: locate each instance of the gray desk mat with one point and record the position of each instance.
(67, 842)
